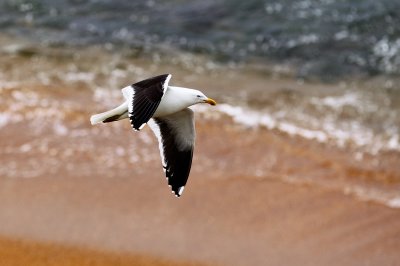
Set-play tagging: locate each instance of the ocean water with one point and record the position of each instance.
(320, 38)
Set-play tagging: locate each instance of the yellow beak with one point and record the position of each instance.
(210, 101)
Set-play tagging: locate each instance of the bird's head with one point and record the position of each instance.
(199, 97)
(188, 97)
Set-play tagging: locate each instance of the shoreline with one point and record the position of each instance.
(290, 158)
(256, 196)
(255, 96)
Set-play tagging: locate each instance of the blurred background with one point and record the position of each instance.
(298, 161)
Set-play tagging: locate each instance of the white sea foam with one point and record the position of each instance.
(79, 76)
(388, 53)
(252, 118)
(394, 202)
(25, 148)
(352, 99)
(361, 192)
(373, 194)
(60, 129)
(4, 119)
(4, 84)
(326, 130)
(107, 97)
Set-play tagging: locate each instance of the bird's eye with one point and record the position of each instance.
(198, 96)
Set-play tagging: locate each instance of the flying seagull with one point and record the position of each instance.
(165, 109)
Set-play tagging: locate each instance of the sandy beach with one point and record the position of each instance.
(236, 221)
(17, 252)
(256, 196)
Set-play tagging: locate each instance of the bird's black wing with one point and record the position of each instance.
(144, 97)
(176, 136)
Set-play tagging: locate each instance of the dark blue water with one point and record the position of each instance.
(321, 38)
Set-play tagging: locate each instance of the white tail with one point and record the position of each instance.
(118, 111)
(94, 119)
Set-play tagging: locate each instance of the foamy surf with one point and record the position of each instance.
(374, 195)
(328, 131)
(361, 192)
(50, 114)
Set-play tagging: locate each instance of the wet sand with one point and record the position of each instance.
(235, 221)
(17, 252)
(254, 197)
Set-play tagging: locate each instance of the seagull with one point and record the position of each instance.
(165, 109)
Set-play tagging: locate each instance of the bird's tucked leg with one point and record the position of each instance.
(115, 114)
(116, 117)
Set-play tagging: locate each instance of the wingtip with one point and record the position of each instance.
(178, 193)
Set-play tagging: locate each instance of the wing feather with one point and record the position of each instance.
(176, 136)
(144, 97)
